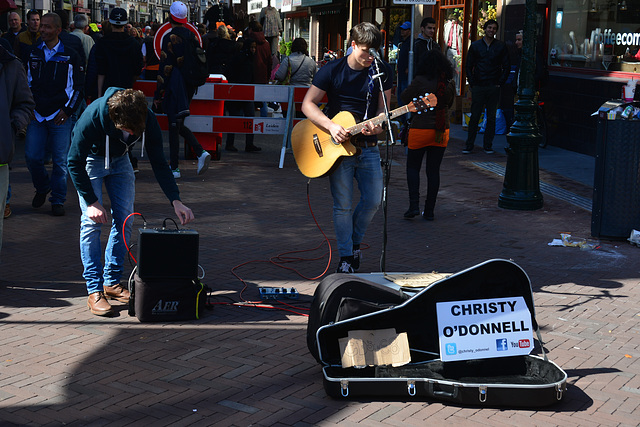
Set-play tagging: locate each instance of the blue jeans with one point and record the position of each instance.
(350, 224)
(58, 138)
(119, 182)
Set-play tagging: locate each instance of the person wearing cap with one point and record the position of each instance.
(118, 57)
(403, 56)
(174, 92)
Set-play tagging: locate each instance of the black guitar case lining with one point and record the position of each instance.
(342, 296)
(517, 381)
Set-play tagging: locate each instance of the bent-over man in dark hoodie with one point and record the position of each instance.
(99, 144)
(118, 56)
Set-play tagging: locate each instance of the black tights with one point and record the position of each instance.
(414, 162)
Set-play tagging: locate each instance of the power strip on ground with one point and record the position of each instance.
(267, 292)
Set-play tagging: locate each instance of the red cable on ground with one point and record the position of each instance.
(279, 261)
(124, 237)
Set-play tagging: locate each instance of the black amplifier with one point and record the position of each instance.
(168, 254)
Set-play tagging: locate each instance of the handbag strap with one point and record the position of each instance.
(301, 62)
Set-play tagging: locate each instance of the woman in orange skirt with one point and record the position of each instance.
(429, 131)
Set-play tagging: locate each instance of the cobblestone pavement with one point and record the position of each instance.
(240, 366)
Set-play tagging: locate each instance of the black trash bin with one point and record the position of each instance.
(616, 186)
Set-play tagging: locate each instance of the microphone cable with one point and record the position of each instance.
(280, 261)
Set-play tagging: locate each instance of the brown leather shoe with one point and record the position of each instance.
(117, 292)
(99, 305)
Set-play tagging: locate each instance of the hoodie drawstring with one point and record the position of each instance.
(106, 154)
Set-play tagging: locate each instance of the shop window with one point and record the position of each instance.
(388, 19)
(453, 26)
(604, 35)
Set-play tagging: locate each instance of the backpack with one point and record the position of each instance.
(194, 69)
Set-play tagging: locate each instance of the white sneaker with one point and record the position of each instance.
(203, 162)
(357, 257)
(345, 267)
(176, 173)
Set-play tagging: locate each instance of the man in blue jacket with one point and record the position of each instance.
(101, 139)
(56, 79)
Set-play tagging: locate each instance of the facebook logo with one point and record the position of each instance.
(450, 349)
(501, 344)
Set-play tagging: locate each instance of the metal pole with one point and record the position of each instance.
(521, 188)
(413, 20)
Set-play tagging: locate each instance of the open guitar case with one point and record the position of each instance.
(344, 303)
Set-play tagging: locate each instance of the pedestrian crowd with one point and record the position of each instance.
(70, 96)
(81, 114)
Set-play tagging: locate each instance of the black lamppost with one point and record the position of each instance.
(521, 187)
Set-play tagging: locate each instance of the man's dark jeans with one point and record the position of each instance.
(483, 97)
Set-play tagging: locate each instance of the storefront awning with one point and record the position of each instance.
(296, 14)
(307, 3)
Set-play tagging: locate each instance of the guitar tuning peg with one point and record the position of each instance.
(415, 99)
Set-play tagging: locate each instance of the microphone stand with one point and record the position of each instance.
(386, 163)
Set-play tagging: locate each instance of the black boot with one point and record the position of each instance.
(413, 210)
(428, 210)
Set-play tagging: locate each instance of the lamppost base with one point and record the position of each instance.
(521, 188)
(520, 200)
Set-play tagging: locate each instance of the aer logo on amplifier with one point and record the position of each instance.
(165, 307)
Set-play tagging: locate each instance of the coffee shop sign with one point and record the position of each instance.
(625, 39)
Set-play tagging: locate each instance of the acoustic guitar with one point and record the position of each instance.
(317, 153)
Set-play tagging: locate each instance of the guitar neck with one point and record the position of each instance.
(356, 129)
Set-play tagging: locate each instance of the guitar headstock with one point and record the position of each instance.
(427, 102)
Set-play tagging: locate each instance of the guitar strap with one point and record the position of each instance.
(369, 91)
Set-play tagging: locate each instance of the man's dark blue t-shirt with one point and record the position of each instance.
(347, 89)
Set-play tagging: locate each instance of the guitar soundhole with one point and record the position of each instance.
(316, 144)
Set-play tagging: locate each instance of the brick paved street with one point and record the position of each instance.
(239, 366)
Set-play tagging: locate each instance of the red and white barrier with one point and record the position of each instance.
(199, 121)
(208, 123)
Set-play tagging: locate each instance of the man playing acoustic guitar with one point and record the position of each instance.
(348, 85)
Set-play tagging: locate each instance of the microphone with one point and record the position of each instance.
(373, 52)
